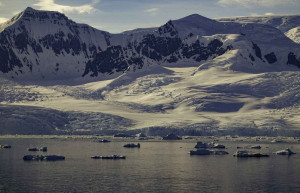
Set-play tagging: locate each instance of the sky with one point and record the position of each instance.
(116, 16)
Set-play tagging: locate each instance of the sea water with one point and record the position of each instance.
(155, 167)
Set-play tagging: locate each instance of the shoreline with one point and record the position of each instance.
(185, 139)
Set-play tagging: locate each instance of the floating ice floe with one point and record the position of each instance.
(207, 152)
(5, 146)
(38, 149)
(41, 157)
(104, 141)
(132, 145)
(209, 145)
(109, 157)
(256, 147)
(286, 151)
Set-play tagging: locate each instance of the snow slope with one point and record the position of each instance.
(288, 24)
(194, 73)
(282, 22)
(294, 34)
(211, 99)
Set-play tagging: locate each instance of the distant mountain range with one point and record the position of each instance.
(44, 45)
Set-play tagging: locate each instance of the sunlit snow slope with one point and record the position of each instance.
(192, 74)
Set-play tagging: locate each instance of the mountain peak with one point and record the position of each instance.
(29, 9)
(30, 13)
(195, 24)
(194, 18)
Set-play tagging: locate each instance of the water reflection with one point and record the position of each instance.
(155, 167)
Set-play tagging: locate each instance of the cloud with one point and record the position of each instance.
(16, 12)
(251, 3)
(3, 19)
(50, 5)
(152, 11)
(269, 13)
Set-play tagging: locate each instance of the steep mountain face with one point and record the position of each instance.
(46, 45)
(40, 44)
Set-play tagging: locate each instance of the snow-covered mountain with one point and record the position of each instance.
(288, 24)
(282, 22)
(239, 75)
(43, 45)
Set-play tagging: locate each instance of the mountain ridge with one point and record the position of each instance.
(281, 22)
(40, 35)
(192, 75)
(47, 45)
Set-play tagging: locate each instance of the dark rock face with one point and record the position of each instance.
(199, 52)
(157, 47)
(293, 60)
(221, 107)
(257, 50)
(109, 60)
(251, 57)
(21, 41)
(168, 28)
(271, 58)
(58, 44)
(8, 59)
(153, 46)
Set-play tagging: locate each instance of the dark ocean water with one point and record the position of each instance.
(155, 167)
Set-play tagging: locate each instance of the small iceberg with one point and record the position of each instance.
(209, 145)
(41, 157)
(33, 149)
(207, 152)
(5, 146)
(218, 146)
(277, 141)
(200, 144)
(286, 151)
(44, 149)
(109, 157)
(32, 157)
(249, 154)
(132, 145)
(104, 141)
(54, 157)
(256, 147)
